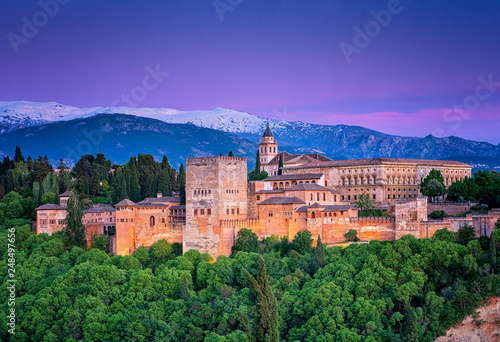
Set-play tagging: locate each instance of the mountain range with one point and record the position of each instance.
(181, 134)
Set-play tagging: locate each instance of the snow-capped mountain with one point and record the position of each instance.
(335, 141)
(18, 114)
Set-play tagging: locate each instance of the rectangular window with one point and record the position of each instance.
(324, 196)
(374, 197)
(209, 211)
(195, 212)
(162, 220)
(270, 213)
(349, 197)
(202, 211)
(238, 211)
(227, 211)
(335, 198)
(258, 197)
(232, 211)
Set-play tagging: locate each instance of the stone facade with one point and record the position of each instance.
(216, 189)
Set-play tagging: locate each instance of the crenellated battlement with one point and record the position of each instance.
(371, 219)
(213, 160)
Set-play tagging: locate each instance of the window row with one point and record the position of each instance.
(359, 181)
(202, 192)
(207, 211)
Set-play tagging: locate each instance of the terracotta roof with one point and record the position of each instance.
(66, 194)
(99, 210)
(326, 207)
(270, 191)
(50, 207)
(338, 207)
(178, 207)
(282, 200)
(267, 132)
(125, 203)
(165, 199)
(310, 186)
(380, 161)
(294, 176)
(294, 158)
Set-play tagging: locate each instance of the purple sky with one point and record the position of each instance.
(276, 59)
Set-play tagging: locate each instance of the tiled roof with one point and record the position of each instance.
(282, 200)
(99, 210)
(165, 199)
(267, 132)
(294, 158)
(270, 191)
(380, 161)
(50, 207)
(338, 207)
(66, 194)
(310, 186)
(326, 207)
(178, 207)
(294, 176)
(125, 203)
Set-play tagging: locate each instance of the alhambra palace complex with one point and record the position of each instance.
(313, 193)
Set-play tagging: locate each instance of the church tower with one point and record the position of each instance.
(268, 147)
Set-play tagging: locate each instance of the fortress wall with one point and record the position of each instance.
(450, 208)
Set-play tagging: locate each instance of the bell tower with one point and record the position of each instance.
(268, 147)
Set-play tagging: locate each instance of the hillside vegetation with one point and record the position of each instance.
(407, 290)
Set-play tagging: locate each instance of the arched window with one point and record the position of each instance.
(275, 186)
(152, 221)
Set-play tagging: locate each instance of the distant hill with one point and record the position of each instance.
(334, 141)
(121, 136)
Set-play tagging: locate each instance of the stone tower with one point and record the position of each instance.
(125, 227)
(216, 190)
(268, 147)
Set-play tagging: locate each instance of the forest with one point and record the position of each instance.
(267, 290)
(407, 290)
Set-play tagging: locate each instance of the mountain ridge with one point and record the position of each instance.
(335, 141)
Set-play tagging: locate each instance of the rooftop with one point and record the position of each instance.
(294, 177)
(282, 200)
(381, 161)
(267, 132)
(50, 207)
(310, 186)
(66, 194)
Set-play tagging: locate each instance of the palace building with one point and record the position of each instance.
(312, 192)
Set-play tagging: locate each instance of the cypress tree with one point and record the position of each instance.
(411, 332)
(493, 251)
(184, 288)
(95, 184)
(181, 181)
(135, 188)
(18, 157)
(74, 230)
(165, 165)
(266, 320)
(319, 254)
(257, 163)
(280, 165)
(164, 183)
(230, 154)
